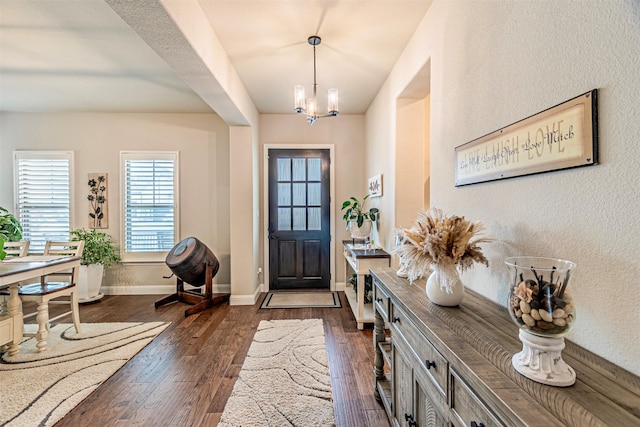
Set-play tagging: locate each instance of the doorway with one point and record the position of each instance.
(299, 219)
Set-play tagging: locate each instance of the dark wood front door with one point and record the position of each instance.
(299, 219)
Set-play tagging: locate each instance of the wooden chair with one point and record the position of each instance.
(50, 290)
(16, 248)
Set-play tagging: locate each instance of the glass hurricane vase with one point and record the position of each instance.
(541, 305)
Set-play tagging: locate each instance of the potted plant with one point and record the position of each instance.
(10, 230)
(357, 219)
(100, 252)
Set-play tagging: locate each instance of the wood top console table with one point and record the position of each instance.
(451, 366)
(360, 260)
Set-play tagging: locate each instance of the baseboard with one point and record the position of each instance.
(156, 289)
(245, 299)
(340, 286)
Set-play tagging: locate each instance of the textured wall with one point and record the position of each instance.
(494, 63)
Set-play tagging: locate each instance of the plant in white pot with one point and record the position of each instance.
(356, 219)
(99, 253)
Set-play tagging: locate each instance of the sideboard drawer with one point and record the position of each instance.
(467, 407)
(382, 303)
(434, 364)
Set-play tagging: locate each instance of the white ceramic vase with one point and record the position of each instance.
(444, 286)
(89, 283)
(362, 232)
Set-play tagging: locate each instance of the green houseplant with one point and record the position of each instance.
(357, 219)
(99, 252)
(10, 230)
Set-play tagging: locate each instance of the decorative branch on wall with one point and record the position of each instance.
(375, 186)
(98, 206)
(561, 137)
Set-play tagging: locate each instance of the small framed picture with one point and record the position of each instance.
(375, 186)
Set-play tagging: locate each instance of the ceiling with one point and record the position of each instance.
(70, 56)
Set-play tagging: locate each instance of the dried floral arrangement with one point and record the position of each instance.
(436, 238)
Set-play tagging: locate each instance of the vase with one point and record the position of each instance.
(444, 286)
(89, 283)
(542, 307)
(361, 232)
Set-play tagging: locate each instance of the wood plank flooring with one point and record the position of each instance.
(185, 376)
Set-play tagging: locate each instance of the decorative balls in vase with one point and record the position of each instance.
(541, 305)
(444, 244)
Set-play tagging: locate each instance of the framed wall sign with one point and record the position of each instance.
(561, 137)
(375, 186)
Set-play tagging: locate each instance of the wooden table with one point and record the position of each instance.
(13, 271)
(361, 259)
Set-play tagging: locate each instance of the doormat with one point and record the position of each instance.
(301, 300)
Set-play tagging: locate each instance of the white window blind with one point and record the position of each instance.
(150, 202)
(43, 196)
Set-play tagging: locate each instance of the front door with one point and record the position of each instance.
(299, 219)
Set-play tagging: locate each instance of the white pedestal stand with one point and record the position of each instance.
(541, 360)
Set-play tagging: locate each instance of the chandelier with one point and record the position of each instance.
(308, 106)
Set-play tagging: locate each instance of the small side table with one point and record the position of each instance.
(360, 260)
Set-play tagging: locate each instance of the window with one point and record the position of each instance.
(43, 195)
(150, 216)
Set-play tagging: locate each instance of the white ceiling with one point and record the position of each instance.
(69, 55)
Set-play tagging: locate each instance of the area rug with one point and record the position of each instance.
(284, 380)
(38, 389)
(301, 300)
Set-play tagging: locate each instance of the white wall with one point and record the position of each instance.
(346, 132)
(97, 139)
(494, 63)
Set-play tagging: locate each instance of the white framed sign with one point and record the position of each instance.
(375, 186)
(561, 137)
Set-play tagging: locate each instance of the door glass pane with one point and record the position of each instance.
(314, 219)
(299, 218)
(314, 194)
(284, 219)
(284, 169)
(299, 196)
(314, 169)
(284, 194)
(299, 169)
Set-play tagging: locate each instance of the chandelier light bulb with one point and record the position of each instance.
(298, 95)
(332, 102)
(311, 107)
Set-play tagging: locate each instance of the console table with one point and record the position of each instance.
(451, 366)
(360, 260)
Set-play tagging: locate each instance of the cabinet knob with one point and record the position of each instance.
(475, 424)
(378, 299)
(395, 319)
(430, 364)
(406, 416)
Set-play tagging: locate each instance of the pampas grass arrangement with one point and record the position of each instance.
(436, 238)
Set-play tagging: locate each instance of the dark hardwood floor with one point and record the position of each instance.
(185, 376)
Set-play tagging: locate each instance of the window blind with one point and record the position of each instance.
(43, 195)
(149, 204)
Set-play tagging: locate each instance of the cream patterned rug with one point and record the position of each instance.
(301, 300)
(284, 380)
(38, 389)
